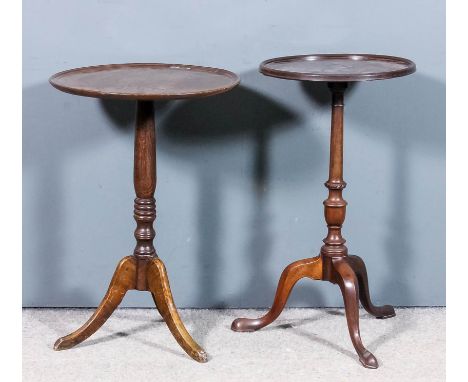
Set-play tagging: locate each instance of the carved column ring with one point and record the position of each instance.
(143, 202)
(145, 209)
(144, 214)
(335, 185)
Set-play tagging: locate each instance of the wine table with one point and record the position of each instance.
(333, 264)
(143, 270)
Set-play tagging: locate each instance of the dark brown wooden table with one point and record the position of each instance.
(333, 264)
(143, 270)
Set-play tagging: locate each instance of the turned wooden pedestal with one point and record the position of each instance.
(144, 270)
(333, 264)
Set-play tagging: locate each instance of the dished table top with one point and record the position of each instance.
(337, 67)
(145, 81)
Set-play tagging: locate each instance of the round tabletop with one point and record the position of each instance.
(145, 81)
(337, 67)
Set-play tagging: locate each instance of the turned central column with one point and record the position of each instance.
(335, 205)
(144, 179)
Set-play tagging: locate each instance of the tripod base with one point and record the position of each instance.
(349, 273)
(151, 276)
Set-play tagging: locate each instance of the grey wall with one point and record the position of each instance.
(240, 176)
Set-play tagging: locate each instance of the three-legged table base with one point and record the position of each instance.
(349, 272)
(125, 278)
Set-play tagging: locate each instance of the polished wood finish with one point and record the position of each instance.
(158, 285)
(337, 67)
(143, 81)
(359, 267)
(144, 179)
(333, 264)
(311, 268)
(335, 205)
(144, 270)
(345, 277)
(124, 279)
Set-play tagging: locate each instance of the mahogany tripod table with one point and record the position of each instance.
(333, 264)
(144, 270)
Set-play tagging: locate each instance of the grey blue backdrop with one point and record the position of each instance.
(240, 176)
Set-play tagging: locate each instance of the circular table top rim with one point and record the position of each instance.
(134, 96)
(303, 76)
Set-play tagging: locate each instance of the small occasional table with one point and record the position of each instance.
(144, 270)
(333, 264)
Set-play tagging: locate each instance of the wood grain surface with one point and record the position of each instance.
(141, 81)
(337, 67)
(333, 264)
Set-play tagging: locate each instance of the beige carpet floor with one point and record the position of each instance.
(302, 345)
